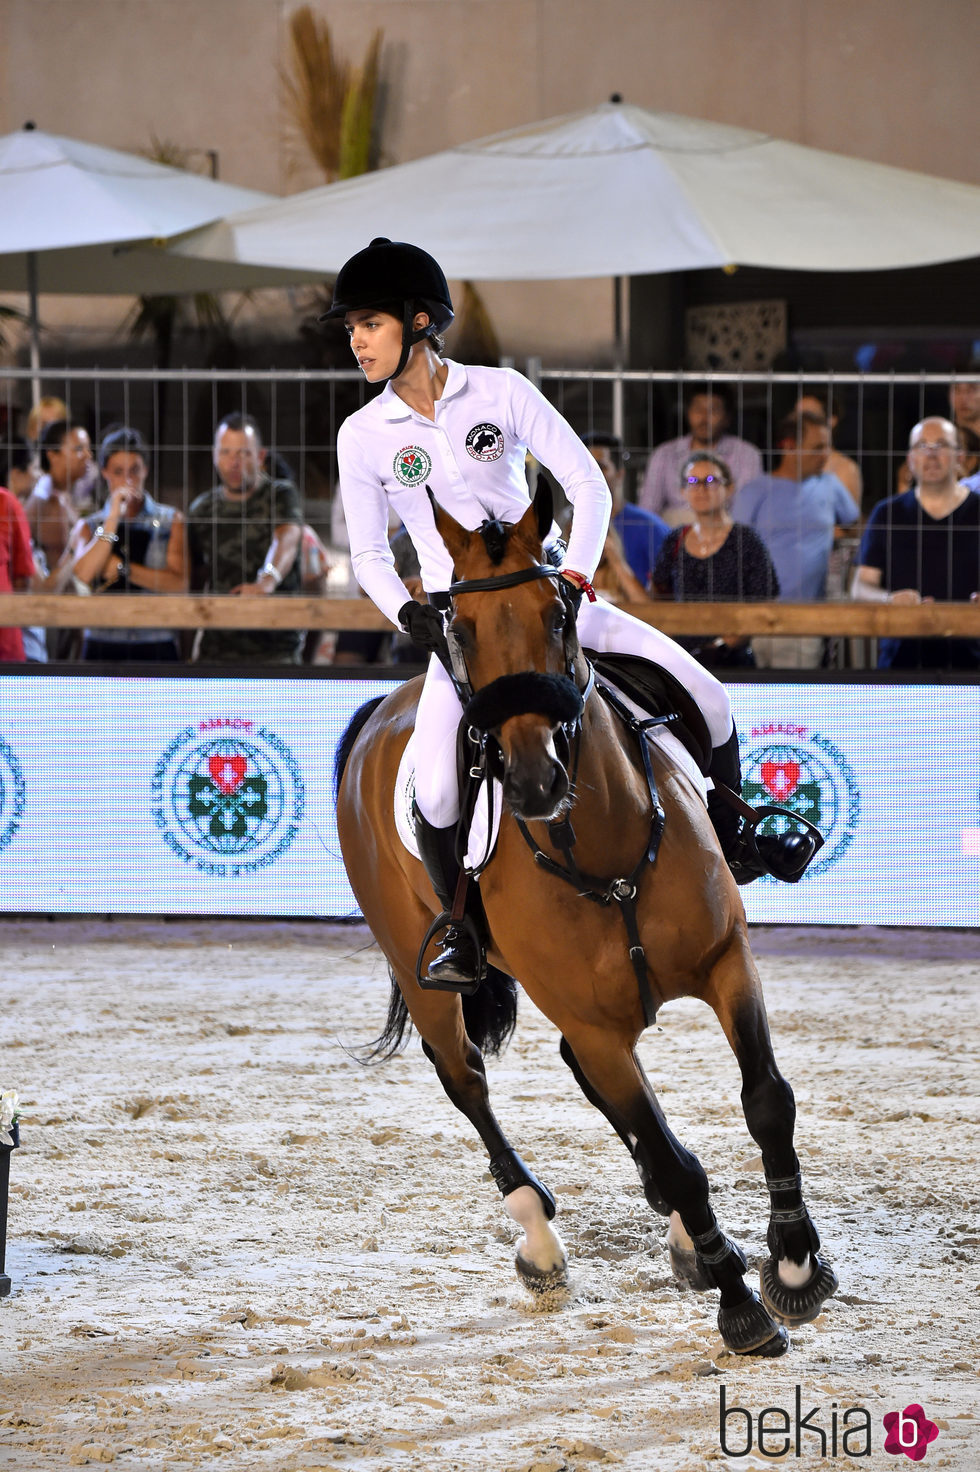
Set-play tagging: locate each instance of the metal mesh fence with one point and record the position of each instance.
(299, 413)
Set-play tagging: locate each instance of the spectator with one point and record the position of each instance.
(22, 469)
(377, 646)
(796, 509)
(66, 455)
(964, 399)
(969, 466)
(923, 545)
(315, 565)
(245, 536)
(85, 487)
(16, 568)
(713, 559)
(707, 421)
(847, 471)
(133, 545)
(640, 532)
(21, 477)
(314, 575)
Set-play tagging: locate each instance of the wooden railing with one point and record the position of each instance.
(837, 619)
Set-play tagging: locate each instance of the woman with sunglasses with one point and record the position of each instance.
(713, 559)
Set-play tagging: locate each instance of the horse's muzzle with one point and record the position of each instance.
(535, 790)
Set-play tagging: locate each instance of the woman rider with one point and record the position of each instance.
(465, 433)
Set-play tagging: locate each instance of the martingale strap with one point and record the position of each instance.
(621, 890)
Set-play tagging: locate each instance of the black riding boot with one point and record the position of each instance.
(460, 966)
(750, 854)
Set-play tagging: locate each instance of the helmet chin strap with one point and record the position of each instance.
(410, 336)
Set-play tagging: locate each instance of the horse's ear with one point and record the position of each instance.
(544, 506)
(539, 515)
(456, 537)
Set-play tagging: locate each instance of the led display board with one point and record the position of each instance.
(193, 795)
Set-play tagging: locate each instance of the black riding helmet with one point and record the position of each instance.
(389, 271)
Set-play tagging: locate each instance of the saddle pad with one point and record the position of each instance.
(663, 736)
(657, 692)
(483, 834)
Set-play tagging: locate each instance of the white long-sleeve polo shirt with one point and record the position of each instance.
(472, 456)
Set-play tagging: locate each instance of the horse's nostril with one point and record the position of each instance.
(536, 798)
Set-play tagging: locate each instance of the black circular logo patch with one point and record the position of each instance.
(485, 442)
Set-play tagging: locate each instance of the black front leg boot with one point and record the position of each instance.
(462, 964)
(751, 854)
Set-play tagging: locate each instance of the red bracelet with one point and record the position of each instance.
(581, 582)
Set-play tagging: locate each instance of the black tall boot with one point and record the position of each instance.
(750, 854)
(461, 966)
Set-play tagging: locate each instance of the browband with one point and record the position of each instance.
(506, 580)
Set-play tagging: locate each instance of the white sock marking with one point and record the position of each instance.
(541, 1244)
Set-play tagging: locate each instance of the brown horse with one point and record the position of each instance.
(516, 636)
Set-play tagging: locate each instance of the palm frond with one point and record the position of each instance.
(165, 151)
(474, 335)
(330, 103)
(357, 122)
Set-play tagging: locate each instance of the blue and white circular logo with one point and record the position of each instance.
(228, 797)
(13, 794)
(794, 767)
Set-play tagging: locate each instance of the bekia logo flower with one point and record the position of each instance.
(909, 1431)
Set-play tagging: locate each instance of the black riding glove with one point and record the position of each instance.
(423, 625)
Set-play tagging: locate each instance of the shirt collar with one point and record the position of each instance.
(394, 408)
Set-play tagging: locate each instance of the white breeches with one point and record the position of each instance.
(601, 627)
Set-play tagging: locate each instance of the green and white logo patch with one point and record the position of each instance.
(412, 465)
(228, 797)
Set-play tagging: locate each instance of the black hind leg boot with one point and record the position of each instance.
(750, 854)
(461, 966)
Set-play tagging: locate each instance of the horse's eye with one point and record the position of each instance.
(558, 620)
(461, 634)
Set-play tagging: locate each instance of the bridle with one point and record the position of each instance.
(557, 697)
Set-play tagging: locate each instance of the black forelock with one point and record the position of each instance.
(496, 535)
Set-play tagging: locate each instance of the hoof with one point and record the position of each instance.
(688, 1268)
(541, 1281)
(795, 1306)
(748, 1329)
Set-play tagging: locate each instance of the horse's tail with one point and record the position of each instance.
(345, 745)
(490, 1016)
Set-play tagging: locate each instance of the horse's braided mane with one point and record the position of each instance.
(495, 535)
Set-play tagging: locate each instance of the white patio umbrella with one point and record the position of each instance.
(616, 191)
(72, 215)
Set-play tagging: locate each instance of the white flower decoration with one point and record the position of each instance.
(9, 1110)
